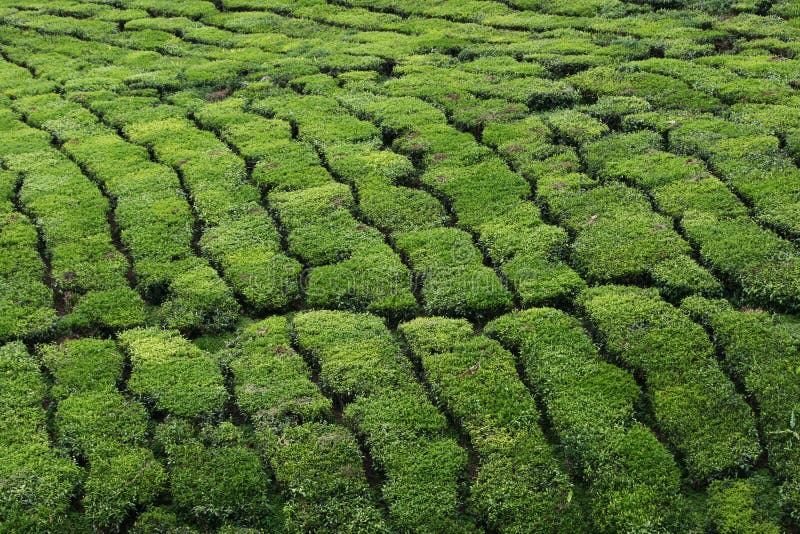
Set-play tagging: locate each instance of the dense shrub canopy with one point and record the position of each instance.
(416, 266)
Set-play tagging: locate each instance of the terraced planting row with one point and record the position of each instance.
(382, 266)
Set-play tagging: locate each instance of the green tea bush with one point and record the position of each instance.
(375, 175)
(26, 303)
(359, 359)
(761, 263)
(454, 279)
(82, 365)
(37, 488)
(163, 519)
(289, 165)
(172, 374)
(89, 421)
(119, 482)
(752, 163)
(184, 164)
(764, 358)
(747, 504)
(188, 8)
(713, 219)
(395, 115)
(693, 403)
(602, 215)
(633, 479)
(37, 481)
(678, 185)
(321, 467)
(17, 82)
(320, 119)
(476, 381)
(197, 298)
(318, 463)
(82, 256)
(723, 84)
(659, 90)
(215, 475)
(271, 381)
(254, 267)
(352, 267)
(487, 198)
(97, 423)
(574, 127)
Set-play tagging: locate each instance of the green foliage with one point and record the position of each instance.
(761, 263)
(82, 365)
(764, 358)
(747, 504)
(25, 302)
(634, 481)
(693, 403)
(619, 237)
(476, 381)
(287, 165)
(89, 422)
(195, 166)
(199, 301)
(119, 482)
(681, 276)
(321, 228)
(37, 482)
(271, 381)
(360, 354)
(160, 519)
(574, 127)
(172, 374)
(318, 464)
(114, 309)
(216, 476)
(321, 467)
(454, 279)
(360, 359)
(70, 212)
(37, 487)
(659, 90)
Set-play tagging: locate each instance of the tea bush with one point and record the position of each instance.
(360, 361)
(475, 380)
(685, 386)
(38, 481)
(317, 461)
(172, 374)
(173, 174)
(763, 358)
(633, 479)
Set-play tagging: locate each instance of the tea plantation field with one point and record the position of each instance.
(413, 266)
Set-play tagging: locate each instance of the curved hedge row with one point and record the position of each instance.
(154, 219)
(69, 210)
(519, 486)
(694, 404)
(764, 358)
(97, 423)
(486, 199)
(26, 303)
(361, 364)
(38, 482)
(316, 460)
(183, 168)
(634, 481)
(238, 234)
